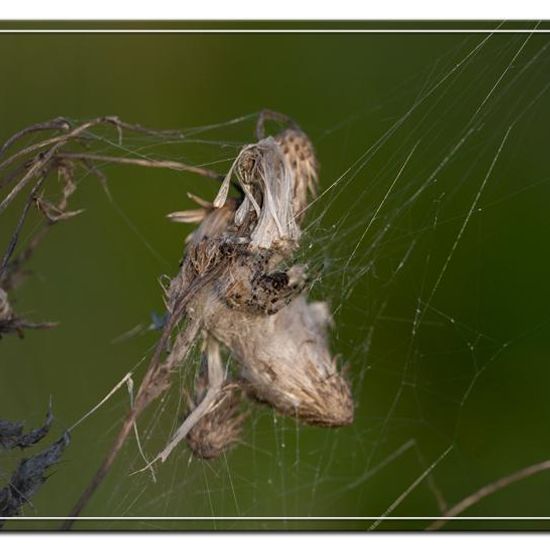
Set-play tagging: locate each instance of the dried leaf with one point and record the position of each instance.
(29, 477)
(11, 433)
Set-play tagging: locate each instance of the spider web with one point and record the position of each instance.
(408, 242)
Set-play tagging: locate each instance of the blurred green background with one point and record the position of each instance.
(432, 259)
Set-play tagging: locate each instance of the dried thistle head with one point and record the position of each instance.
(286, 361)
(299, 153)
(220, 428)
(277, 175)
(266, 211)
(262, 317)
(245, 302)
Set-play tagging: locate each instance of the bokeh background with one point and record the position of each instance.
(429, 242)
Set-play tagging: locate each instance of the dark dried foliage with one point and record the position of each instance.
(11, 433)
(29, 476)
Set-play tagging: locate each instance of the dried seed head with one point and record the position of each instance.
(277, 175)
(299, 153)
(310, 398)
(221, 426)
(286, 360)
(253, 307)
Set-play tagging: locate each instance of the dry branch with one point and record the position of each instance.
(168, 164)
(489, 490)
(55, 155)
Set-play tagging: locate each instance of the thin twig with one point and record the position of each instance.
(54, 141)
(15, 237)
(169, 164)
(281, 118)
(12, 275)
(49, 154)
(43, 159)
(34, 170)
(55, 124)
(156, 376)
(53, 146)
(139, 129)
(488, 490)
(19, 325)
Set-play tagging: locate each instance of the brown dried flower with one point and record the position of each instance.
(255, 309)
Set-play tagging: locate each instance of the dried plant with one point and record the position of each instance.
(254, 308)
(236, 291)
(231, 292)
(30, 474)
(59, 154)
(236, 295)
